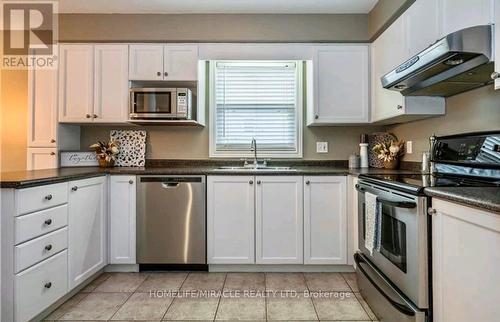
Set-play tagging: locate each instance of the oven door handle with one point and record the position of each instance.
(359, 188)
(398, 306)
(397, 204)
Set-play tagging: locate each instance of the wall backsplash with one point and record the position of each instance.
(477, 110)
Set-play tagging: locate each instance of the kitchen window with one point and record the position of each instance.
(256, 99)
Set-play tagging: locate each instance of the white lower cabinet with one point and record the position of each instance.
(279, 220)
(465, 259)
(87, 228)
(122, 219)
(230, 219)
(325, 220)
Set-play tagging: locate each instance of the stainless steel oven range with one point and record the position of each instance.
(393, 269)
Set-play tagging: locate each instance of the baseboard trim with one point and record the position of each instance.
(122, 268)
(280, 268)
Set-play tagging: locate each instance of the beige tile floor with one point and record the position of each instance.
(223, 297)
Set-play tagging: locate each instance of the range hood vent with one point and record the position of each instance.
(457, 63)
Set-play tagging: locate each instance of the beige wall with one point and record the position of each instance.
(212, 28)
(477, 110)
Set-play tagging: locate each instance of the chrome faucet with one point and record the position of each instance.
(253, 147)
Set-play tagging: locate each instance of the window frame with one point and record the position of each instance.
(299, 111)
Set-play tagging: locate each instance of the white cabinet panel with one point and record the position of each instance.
(146, 62)
(122, 219)
(181, 62)
(422, 25)
(42, 111)
(279, 220)
(465, 258)
(460, 14)
(340, 85)
(87, 228)
(497, 43)
(111, 83)
(325, 220)
(41, 158)
(76, 83)
(230, 219)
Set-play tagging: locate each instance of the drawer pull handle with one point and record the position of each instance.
(48, 285)
(259, 182)
(48, 222)
(48, 197)
(75, 188)
(308, 182)
(250, 182)
(48, 247)
(131, 181)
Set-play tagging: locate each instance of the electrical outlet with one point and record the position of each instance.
(409, 147)
(321, 147)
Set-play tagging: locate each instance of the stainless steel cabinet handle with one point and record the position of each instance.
(258, 182)
(131, 181)
(495, 75)
(48, 247)
(399, 107)
(308, 182)
(431, 211)
(87, 116)
(250, 182)
(48, 222)
(166, 74)
(48, 285)
(158, 73)
(75, 188)
(48, 197)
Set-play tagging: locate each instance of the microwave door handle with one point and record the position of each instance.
(397, 204)
(398, 306)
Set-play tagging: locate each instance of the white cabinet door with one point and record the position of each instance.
(146, 62)
(76, 83)
(497, 43)
(41, 158)
(341, 90)
(181, 62)
(465, 259)
(422, 20)
(111, 84)
(325, 220)
(459, 14)
(42, 110)
(87, 228)
(230, 219)
(279, 220)
(122, 211)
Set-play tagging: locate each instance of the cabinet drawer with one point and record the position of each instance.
(41, 248)
(43, 197)
(39, 223)
(40, 286)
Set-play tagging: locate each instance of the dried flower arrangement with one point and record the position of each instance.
(106, 152)
(390, 152)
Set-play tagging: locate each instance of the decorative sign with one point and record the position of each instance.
(78, 159)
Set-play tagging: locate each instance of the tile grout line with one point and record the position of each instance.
(265, 292)
(171, 303)
(218, 303)
(312, 300)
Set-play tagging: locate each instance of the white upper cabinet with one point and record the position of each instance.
(146, 62)
(459, 14)
(163, 62)
(230, 219)
(181, 62)
(76, 83)
(87, 208)
(325, 220)
(122, 219)
(465, 258)
(497, 45)
(42, 110)
(41, 158)
(422, 21)
(111, 83)
(279, 220)
(340, 85)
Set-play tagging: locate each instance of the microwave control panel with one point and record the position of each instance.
(183, 101)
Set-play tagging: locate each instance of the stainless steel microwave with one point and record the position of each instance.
(160, 103)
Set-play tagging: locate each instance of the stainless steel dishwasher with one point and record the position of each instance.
(171, 221)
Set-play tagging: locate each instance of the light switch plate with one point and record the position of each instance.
(321, 147)
(409, 147)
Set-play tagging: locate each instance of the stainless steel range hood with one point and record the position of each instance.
(457, 63)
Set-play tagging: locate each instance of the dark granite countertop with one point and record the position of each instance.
(24, 179)
(486, 198)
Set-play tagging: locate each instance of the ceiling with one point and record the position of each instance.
(217, 6)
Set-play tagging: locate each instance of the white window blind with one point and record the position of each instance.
(256, 99)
